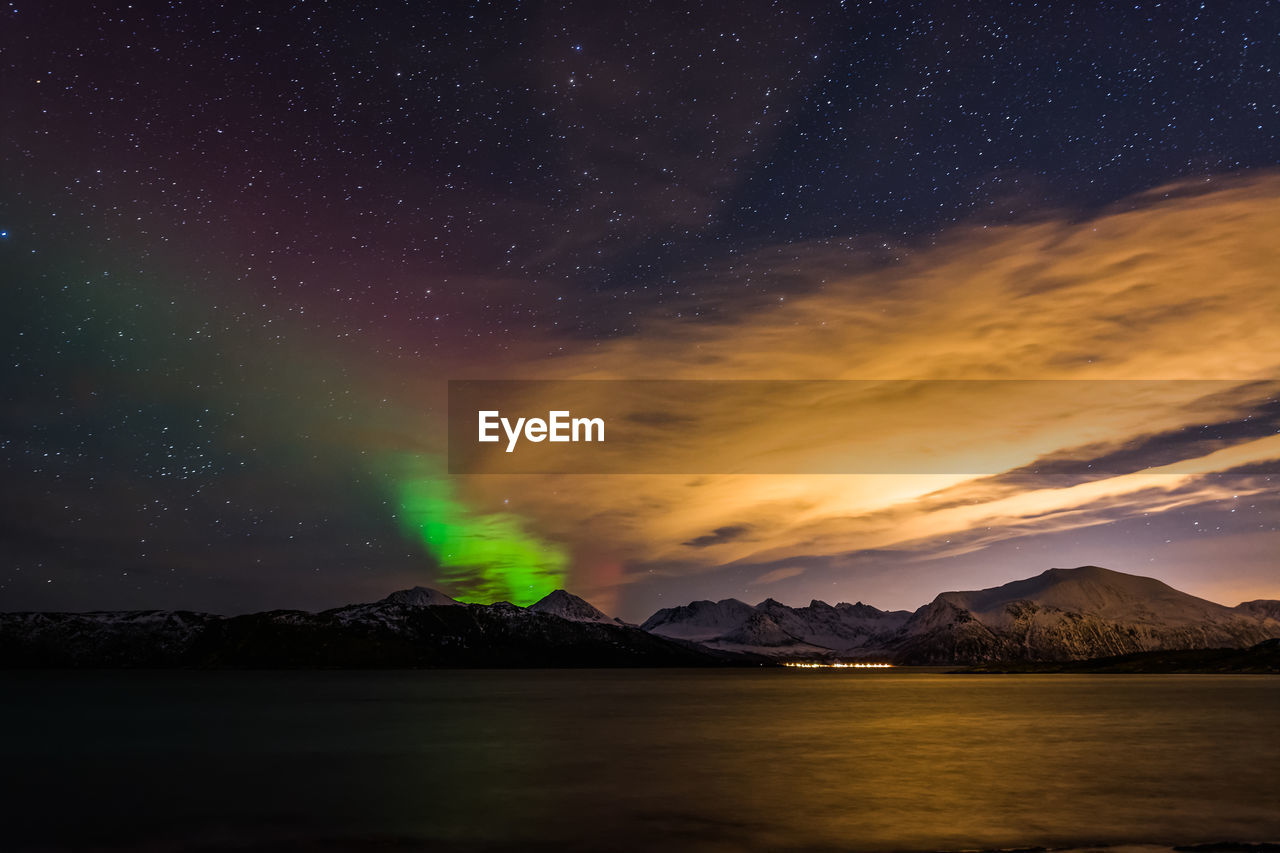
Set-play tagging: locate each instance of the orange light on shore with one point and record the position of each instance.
(811, 665)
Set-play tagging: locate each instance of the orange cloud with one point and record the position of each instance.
(1177, 284)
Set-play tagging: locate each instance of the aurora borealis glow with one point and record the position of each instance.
(244, 249)
(484, 556)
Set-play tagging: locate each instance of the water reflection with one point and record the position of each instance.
(640, 760)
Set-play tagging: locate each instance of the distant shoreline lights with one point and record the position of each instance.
(810, 665)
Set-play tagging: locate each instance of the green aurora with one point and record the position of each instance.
(174, 351)
(483, 557)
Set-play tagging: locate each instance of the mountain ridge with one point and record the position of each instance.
(1060, 615)
(412, 628)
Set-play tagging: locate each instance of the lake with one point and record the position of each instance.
(630, 760)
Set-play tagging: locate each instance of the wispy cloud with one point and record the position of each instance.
(1176, 285)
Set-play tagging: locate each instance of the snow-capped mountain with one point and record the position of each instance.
(420, 596)
(1072, 614)
(843, 627)
(1061, 614)
(772, 628)
(569, 606)
(729, 625)
(700, 621)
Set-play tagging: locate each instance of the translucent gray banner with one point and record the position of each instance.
(1070, 429)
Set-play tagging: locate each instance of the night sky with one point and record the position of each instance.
(243, 248)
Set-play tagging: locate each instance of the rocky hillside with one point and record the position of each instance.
(1260, 609)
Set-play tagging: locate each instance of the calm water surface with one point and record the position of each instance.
(635, 760)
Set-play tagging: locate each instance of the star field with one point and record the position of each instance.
(243, 245)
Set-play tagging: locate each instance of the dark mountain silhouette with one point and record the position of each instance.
(410, 628)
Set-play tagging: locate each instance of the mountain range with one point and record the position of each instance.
(1059, 615)
(416, 627)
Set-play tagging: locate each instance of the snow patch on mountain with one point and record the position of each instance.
(700, 621)
(733, 625)
(843, 627)
(420, 596)
(1099, 592)
(566, 605)
(1072, 614)
(1060, 614)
